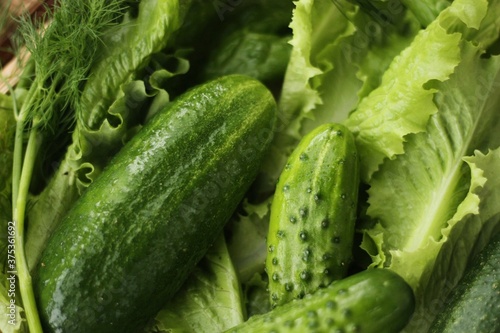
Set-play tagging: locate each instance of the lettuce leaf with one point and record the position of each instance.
(247, 233)
(403, 102)
(443, 190)
(436, 266)
(426, 10)
(129, 47)
(209, 301)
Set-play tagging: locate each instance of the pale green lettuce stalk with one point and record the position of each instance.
(434, 197)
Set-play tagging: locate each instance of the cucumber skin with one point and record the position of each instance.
(318, 189)
(133, 237)
(474, 304)
(372, 301)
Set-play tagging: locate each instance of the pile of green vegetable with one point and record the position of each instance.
(251, 165)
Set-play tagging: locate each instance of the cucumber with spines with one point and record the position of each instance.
(372, 301)
(313, 215)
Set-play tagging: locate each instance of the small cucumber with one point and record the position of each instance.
(131, 240)
(374, 300)
(313, 215)
(474, 304)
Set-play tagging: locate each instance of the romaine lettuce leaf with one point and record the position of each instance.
(128, 49)
(403, 102)
(312, 34)
(444, 201)
(209, 301)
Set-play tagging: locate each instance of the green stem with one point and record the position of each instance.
(17, 162)
(25, 283)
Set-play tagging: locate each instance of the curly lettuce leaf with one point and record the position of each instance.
(488, 32)
(355, 67)
(444, 204)
(403, 103)
(312, 33)
(128, 49)
(209, 301)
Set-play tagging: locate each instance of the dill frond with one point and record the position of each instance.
(63, 53)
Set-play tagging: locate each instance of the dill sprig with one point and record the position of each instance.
(63, 52)
(63, 45)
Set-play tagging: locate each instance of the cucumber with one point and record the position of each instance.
(313, 214)
(374, 300)
(131, 240)
(474, 304)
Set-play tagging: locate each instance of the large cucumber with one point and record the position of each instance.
(313, 214)
(474, 305)
(372, 301)
(136, 233)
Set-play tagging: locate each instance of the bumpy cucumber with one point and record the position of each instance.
(474, 305)
(130, 241)
(313, 215)
(375, 300)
